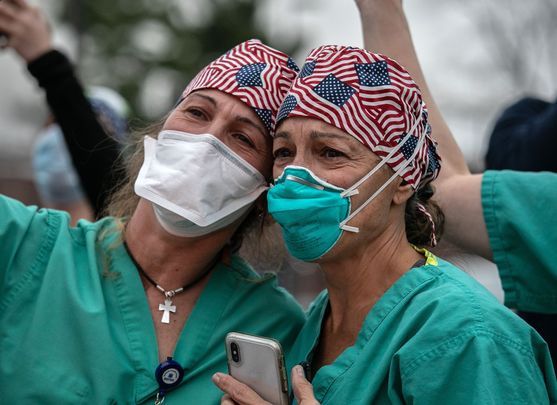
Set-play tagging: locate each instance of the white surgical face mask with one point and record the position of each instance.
(196, 183)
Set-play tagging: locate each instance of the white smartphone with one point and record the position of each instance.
(258, 362)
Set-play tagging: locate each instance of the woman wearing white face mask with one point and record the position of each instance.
(353, 163)
(135, 308)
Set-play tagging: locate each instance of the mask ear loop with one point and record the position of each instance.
(355, 229)
(353, 190)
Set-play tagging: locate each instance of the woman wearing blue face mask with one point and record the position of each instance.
(62, 185)
(134, 308)
(353, 163)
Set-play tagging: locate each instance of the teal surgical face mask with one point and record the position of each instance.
(313, 213)
(309, 210)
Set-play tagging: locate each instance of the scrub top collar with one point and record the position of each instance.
(200, 325)
(325, 377)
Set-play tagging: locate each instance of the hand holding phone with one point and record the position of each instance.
(258, 362)
(3, 37)
(25, 29)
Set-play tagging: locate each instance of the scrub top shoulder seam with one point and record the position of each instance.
(458, 341)
(45, 246)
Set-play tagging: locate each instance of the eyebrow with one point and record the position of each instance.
(318, 134)
(203, 96)
(315, 135)
(282, 134)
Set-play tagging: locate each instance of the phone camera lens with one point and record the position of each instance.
(235, 352)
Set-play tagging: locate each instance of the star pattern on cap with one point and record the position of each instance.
(334, 91)
(433, 163)
(409, 146)
(287, 106)
(250, 75)
(266, 116)
(373, 74)
(292, 65)
(307, 69)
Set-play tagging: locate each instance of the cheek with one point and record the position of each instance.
(380, 205)
(260, 159)
(276, 170)
(265, 166)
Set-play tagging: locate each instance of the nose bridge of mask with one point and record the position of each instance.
(296, 173)
(353, 190)
(225, 154)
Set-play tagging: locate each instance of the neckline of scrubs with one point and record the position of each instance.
(411, 280)
(199, 327)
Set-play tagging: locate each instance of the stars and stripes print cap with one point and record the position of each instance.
(374, 99)
(255, 73)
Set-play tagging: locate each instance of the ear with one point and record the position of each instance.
(402, 193)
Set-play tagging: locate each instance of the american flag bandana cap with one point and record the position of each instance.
(374, 99)
(255, 73)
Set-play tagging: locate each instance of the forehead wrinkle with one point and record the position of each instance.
(282, 134)
(205, 97)
(315, 134)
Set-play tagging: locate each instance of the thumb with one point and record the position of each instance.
(303, 390)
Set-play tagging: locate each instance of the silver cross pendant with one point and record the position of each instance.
(167, 307)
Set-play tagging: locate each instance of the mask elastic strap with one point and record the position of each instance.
(353, 190)
(355, 229)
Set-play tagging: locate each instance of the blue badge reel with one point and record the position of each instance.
(169, 374)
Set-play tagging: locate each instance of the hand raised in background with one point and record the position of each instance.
(26, 29)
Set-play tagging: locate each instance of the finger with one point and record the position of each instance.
(303, 390)
(20, 3)
(226, 400)
(7, 26)
(237, 391)
(8, 10)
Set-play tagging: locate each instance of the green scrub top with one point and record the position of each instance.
(520, 211)
(435, 337)
(75, 325)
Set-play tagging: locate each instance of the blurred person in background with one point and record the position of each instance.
(91, 127)
(100, 312)
(57, 182)
(524, 138)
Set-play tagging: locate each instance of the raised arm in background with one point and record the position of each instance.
(386, 31)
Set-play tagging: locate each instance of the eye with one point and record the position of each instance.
(281, 153)
(244, 139)
(332, 153)
(195, 112)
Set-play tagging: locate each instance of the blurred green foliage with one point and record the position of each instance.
(148, 50)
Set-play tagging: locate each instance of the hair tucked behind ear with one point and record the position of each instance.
(424, 218)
